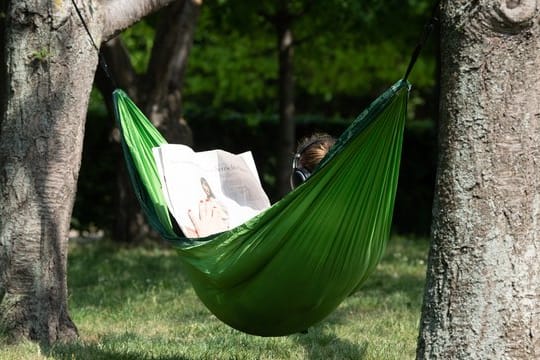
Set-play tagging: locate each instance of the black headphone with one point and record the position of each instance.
(299, 174)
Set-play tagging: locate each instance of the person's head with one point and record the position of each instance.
(309, 153)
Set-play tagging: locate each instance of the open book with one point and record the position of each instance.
(211, 191)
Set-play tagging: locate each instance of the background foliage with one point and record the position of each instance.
(347, 53)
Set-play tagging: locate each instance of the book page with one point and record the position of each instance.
(211, 191)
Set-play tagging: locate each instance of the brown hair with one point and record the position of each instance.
(312, 149)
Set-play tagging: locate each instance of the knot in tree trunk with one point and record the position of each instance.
(512, 16)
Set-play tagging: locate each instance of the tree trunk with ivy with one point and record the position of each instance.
(482, 298)
(48, 71)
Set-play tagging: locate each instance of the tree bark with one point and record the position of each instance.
(287, 131)
(3, 11)
(121, 14)
(50, 65)
(165, 76)
(482, 298)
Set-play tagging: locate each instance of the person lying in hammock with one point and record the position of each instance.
(309, 153)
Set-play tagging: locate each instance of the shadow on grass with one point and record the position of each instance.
(128, 346)
(322, 345)
(112, 347)
(105, 275)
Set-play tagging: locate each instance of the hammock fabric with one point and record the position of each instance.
(292, 265)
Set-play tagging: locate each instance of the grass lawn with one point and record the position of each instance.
(133, 303)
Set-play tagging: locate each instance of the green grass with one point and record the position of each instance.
(134, 303)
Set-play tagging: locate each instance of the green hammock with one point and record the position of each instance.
(292, 265)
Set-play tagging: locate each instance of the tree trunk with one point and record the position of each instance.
(165, 76)
(3, 11)
(482, 298)
(40, 153)
(50, 66)
(286, 102)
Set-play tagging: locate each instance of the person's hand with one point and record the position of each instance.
(211, 219)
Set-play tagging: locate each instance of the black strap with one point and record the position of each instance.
(102, 62)
(423, 38)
